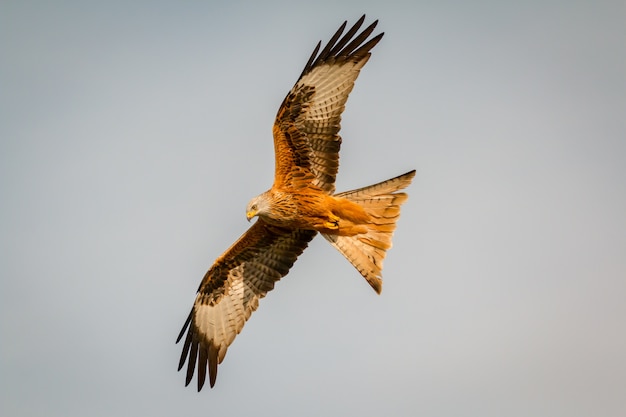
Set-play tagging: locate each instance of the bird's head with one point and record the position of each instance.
(258, 206)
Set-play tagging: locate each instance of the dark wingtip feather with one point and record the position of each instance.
(191, 365)
(365, 48)
(185, 352)
(311, 59)
(202, 364)
(344, 46)
(332, 40)
(213, 353)
(351, 32)
(185, 326)
(349, 50)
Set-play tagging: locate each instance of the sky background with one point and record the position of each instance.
(133, 135)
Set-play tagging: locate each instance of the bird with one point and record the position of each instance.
(300, 204)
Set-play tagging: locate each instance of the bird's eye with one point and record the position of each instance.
(253, 207)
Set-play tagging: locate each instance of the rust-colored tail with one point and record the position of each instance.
(382, 203)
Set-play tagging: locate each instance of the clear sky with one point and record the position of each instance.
(133, 135)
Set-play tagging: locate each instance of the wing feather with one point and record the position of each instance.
(230, 292)
(349, 35)
(306, 130)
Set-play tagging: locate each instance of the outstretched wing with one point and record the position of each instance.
(230, 292)
(306, 139)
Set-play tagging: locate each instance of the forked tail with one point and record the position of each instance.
(382, 203)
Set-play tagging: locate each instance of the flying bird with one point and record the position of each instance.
(301, 203)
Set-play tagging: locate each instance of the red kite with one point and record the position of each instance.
(301, 203)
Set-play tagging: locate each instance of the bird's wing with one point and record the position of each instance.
(306, 139)
(230, 292)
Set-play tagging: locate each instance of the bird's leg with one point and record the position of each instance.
(332, 223)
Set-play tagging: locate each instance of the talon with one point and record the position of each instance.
(332, 223)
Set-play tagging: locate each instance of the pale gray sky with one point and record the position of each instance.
(132, 136)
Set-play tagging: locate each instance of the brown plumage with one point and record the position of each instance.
(301, 203)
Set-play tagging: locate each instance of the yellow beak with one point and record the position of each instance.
(250, 215)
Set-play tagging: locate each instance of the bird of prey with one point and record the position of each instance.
(301, 203)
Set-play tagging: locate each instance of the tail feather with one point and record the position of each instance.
(382, 203)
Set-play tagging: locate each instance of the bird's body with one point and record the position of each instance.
(310, 209)
(301, 203)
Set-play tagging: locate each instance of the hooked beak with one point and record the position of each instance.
(250, 215)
